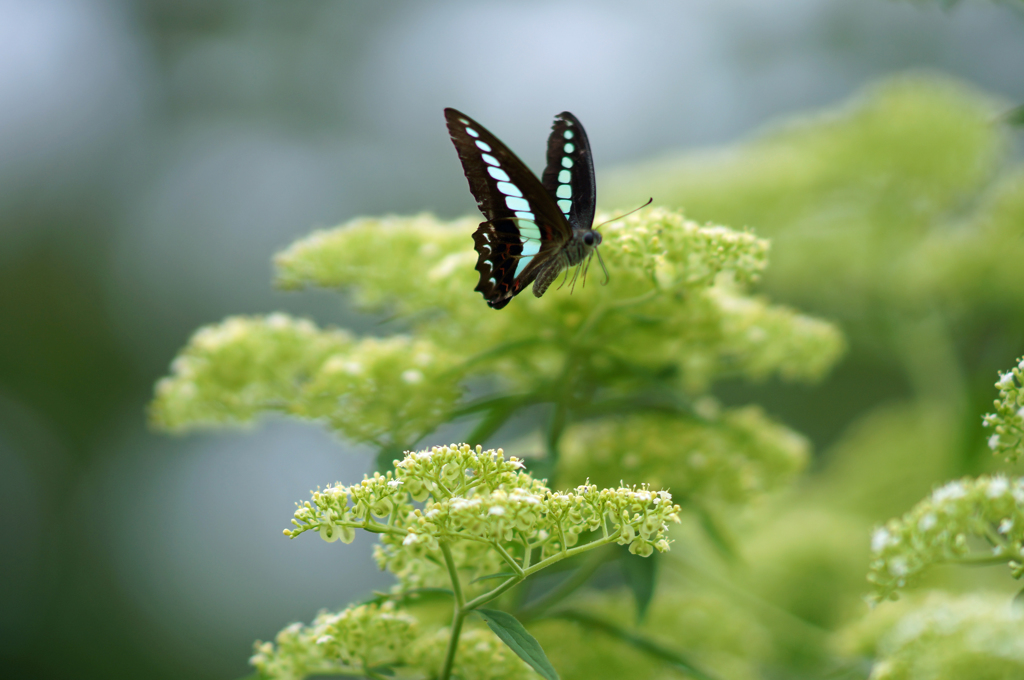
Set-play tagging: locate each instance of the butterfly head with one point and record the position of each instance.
(591, 238)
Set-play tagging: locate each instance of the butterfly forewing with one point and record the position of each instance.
(524, 225)
(569, 175)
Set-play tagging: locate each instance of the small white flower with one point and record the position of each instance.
(879, 539)
(950, 491)
(395, 483)
(1005, 381)
(496, 510)
(993, 442)
(898, 566)
(412, 376)
(324, 639)
(997, 486)
(927, 522)
(1005, 525)
(411, 539)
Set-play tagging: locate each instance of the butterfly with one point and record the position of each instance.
(534, 229)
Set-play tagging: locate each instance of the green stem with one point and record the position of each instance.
(543, 564)
(458, 616)
(979, 560)
(491, 594)
(511, 561)
(463, 608)
(565, 588)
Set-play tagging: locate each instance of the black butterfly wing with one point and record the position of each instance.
(569, 175)
(524, 226)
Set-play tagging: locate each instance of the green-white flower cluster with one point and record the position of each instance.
(675, 302)
(979, 521)
(941, 637)
(676, 317)
(384, 391)
(1008, 420)
(497, 516)
(726, 455)
(351, 642)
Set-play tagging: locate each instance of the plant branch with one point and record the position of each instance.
(458, 616)
(567, 587)
(509, 559)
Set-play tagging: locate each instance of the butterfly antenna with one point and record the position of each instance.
(649, 201)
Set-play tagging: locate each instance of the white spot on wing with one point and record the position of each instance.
(567, 134)
(471, 132)
(566, 162)
(515, 203)
(484, 146)
(569, 147)
(565, 205)
(564, 176)
(524, 261)
(528, 230)
(563, 191)
(525, 215)
(489, 159)
(509, 189)
(498, 174)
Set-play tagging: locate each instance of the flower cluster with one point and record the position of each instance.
(1008, 420)
(941, 637)
(729, 455)
(388, 391)
(352, 641)
(481, 656)
(972, 520)
(662, 267)
(486, 506)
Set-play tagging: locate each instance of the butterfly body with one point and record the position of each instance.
(533, 229)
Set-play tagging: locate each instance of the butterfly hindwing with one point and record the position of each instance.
(569, 175)
(524, 226)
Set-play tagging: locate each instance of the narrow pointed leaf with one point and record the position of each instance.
(1018, 602)
(650, 647)
(519, 640)
(503, 574)
(1015, 116)
(641, 575)
(717, 533)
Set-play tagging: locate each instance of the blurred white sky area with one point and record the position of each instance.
(170, 148)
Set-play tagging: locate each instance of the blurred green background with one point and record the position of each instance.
(155, 154)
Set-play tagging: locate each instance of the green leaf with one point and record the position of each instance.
(519, 640)
(674, 659)
(386, 457)
(414, 593)
(382, 670)
(716, 533)
(503, 574)
(1015, 116)
(641, 574)
(1018, 602)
